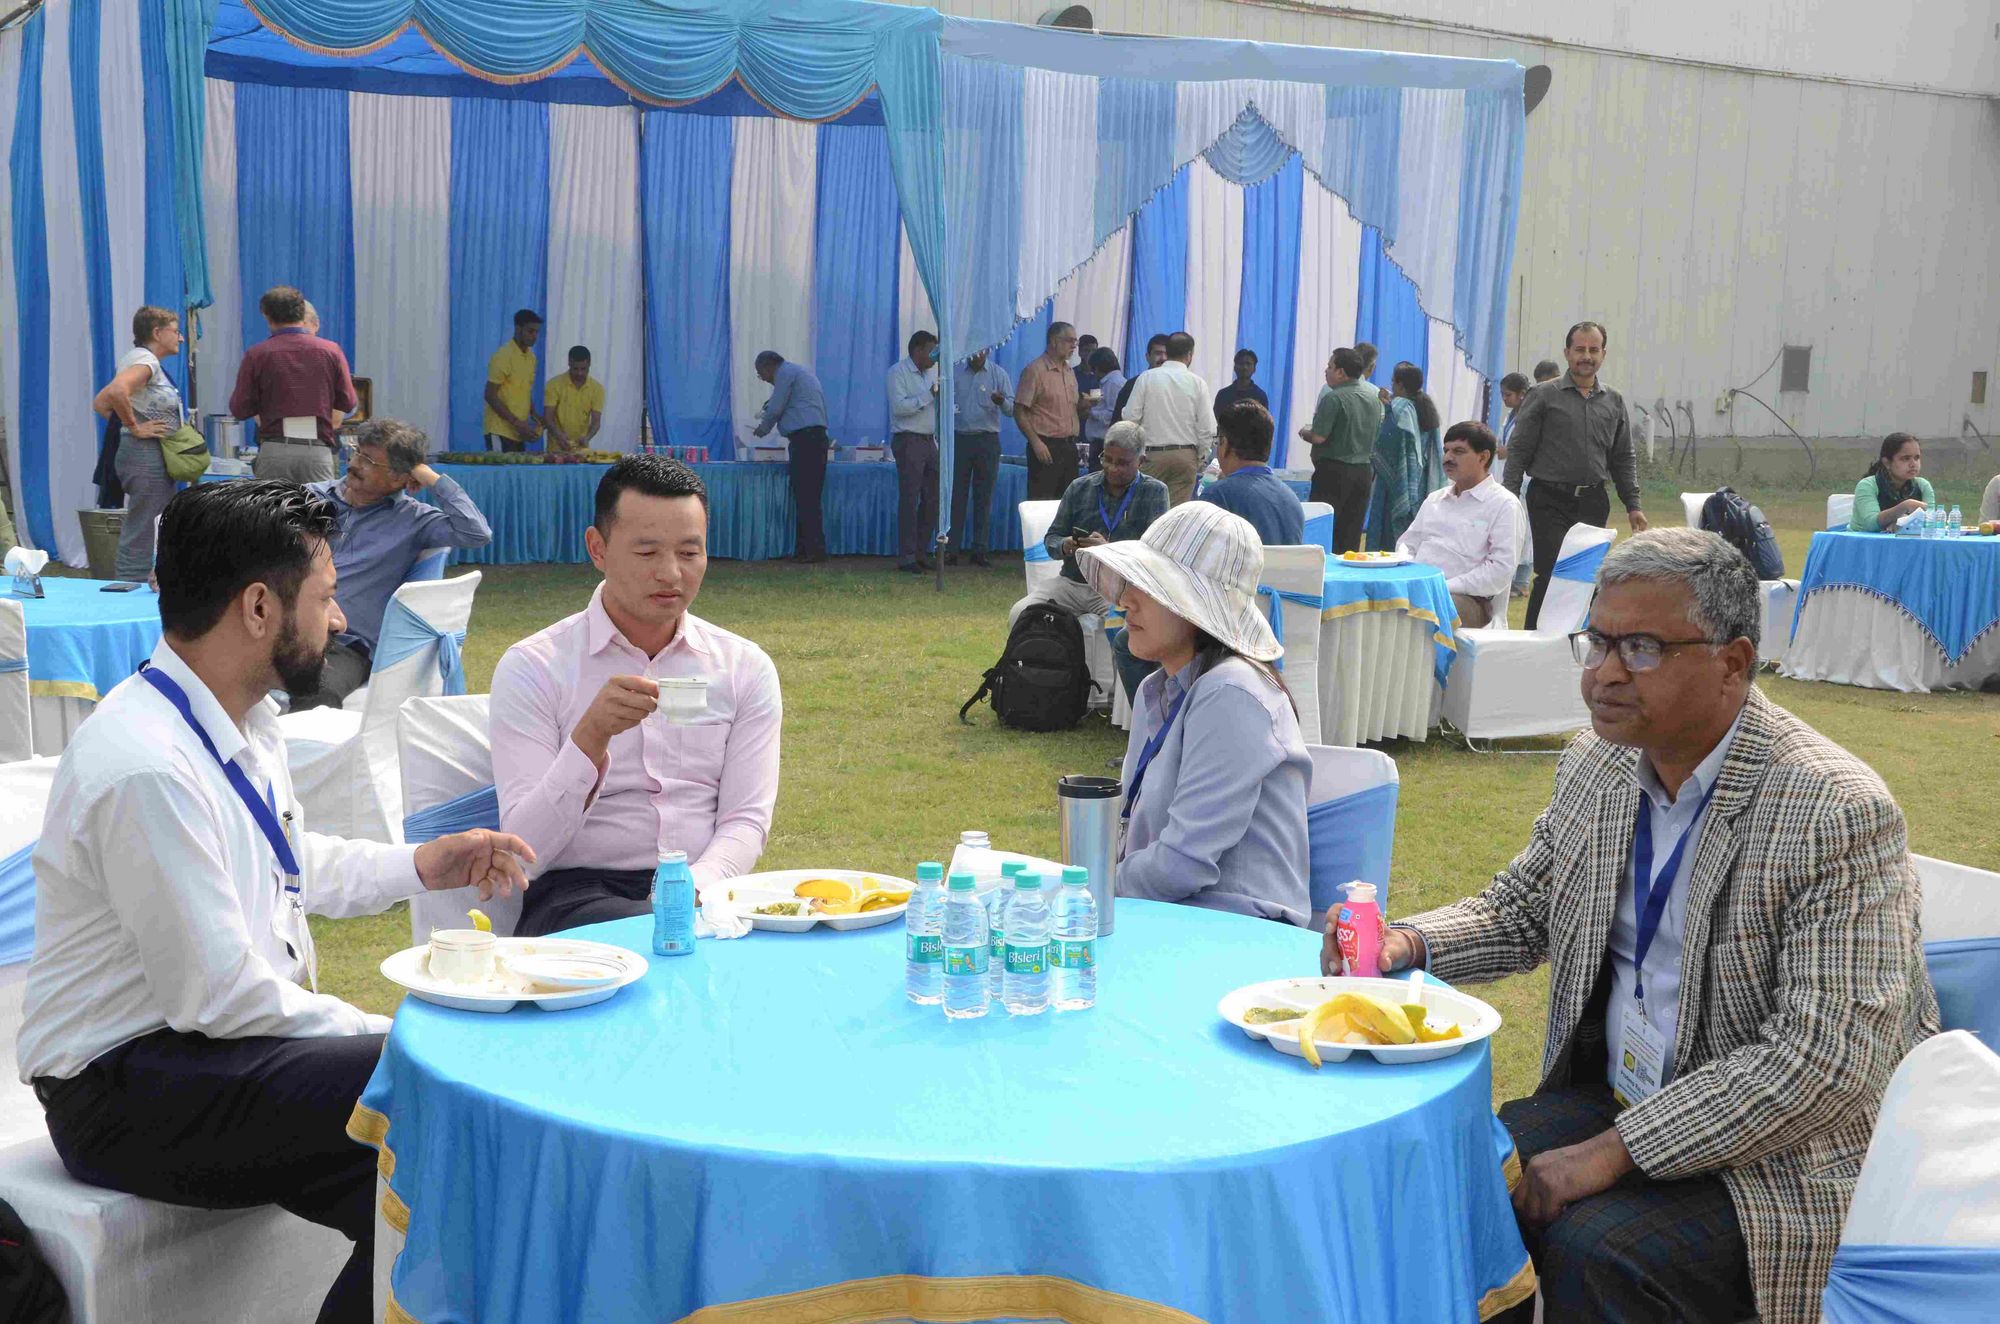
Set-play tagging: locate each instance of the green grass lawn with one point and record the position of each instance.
(879, 773)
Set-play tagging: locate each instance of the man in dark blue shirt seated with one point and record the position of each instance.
(1243, 388)
(1248, 487)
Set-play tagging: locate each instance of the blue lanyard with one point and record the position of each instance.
(1148, 754)
(1111, 524)
(264, 810)
(1650, 890)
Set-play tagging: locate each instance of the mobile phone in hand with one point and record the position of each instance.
(120, 586)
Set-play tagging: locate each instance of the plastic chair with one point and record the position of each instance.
(117, 1256)
(1839, 510)
(1509, 683)
(1691, 504)
(1961, 921)
(1319, 524)
(445, 751)
(344, 762)
(1292, 594)
(1350, 824)
(1922, 1237)
(17, 736)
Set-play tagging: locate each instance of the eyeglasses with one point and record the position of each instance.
(1639, 652)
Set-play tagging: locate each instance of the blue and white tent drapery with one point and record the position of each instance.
(1056, 140)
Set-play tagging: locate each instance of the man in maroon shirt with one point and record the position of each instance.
(294, 374)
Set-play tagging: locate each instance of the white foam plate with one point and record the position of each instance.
(410, 968)
(1375, 559)
(1476, 1020)
(756, 889)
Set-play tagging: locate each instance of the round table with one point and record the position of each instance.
(1385, 647)
(81, 643)
(768, 1130)
(1898, 613)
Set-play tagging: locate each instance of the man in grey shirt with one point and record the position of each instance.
(1571, 435)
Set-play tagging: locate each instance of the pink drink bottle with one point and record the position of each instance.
(1358, 931)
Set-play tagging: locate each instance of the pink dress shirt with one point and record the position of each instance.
(707, 788)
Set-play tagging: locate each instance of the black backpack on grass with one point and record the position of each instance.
(1042, 680)
(1741, 525)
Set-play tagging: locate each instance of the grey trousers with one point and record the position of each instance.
(293, 462)
(142, 470)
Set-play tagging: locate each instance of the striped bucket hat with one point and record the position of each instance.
(1202, 564)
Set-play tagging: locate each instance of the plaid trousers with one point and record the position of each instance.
(1640, 1252)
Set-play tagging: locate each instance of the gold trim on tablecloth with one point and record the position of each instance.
(63, 689)
(903, 1296)
(1509, 1294)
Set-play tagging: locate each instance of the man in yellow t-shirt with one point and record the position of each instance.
(573, 405)
(510, 421)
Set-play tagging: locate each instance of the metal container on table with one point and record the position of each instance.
(225, 435)
(1089, 822)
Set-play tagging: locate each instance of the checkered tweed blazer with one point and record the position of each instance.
(1803, 981)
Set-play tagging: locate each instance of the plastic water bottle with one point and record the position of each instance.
(1073, 948)
(673, 905)
(965, 949)
(1954, 523)
(923, 956)
(1025, 987)
(996, 927)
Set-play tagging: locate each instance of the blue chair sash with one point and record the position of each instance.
(17, 906)
(1274, 610)
(1583, 566)
(405, 633)
(1897, 1284)
(1319, 529)
(1036, 551)
(8, 664)
(1350, 840)
(1966, 974)
(474, 809)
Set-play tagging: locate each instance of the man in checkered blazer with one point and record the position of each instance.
(1719, 1035)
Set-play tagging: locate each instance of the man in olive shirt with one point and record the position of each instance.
(1570, 435)
(1342, 437)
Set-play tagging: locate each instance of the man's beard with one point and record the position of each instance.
(299, 667)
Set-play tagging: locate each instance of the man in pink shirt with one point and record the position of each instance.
(587, 772)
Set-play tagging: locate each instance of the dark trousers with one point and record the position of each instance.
(231, 1124)
(916, 494)
(346, 671)
(1345, 487)
(808, 483)
(1552, 508)
(1047, 482)
(500, 441)
(570, 898)
(1094, 455)
(1640, 1252)
(975, 460)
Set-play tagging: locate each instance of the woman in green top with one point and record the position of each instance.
(1404, 469)
(1891, 488)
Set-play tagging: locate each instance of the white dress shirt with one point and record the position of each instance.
(158, 902)
(1468, 535)
(1685, 813)
(912, 404)
(1174, 406)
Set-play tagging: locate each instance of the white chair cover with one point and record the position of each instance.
(1301, 573)
(1364, 840)
(1691, 503)
(445, 751)
(17, 739)
(344, 763)
(1496, 606)
(1839, 510)
(1781, 596)
(1507, 683)
(1318, 524)
(1961, 921)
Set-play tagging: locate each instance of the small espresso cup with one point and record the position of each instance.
(462, 956)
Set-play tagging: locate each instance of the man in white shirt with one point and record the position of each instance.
(913, 389)
(165, 1028)
(1178, 412)
(1469, 528)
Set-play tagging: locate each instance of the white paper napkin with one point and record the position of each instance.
(718, 916)
(26, 561)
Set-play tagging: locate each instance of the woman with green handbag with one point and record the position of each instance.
(148, 409)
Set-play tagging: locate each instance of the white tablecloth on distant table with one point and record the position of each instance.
(1898, 613)
(1377, 678)
(1852, 637)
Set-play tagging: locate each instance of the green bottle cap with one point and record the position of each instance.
(1077, 874)
(1012, 867)
(1027, 882)
(930, 872)
(963, 882)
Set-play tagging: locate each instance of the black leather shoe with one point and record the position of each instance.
(979, 559)
(951, 558)
(910, 568)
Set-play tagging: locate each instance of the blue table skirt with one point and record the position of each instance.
(1949, 586)
(1417, 590)
(83, 641)
(770, 1116)
(539, 511)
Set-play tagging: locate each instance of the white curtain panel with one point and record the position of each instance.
(1455, 388)
(913, 302)
(1214, 272)
(399, 171)
(1431, 161)
(10, 321)
(221, 347)
(121, 93)
(1204, 111)
(1058, 182)
(594, 261)
(1097, 300)
(73, 427)
(772, 205)
(1329, 290)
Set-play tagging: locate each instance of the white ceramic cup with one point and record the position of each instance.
(683, 698)
(462, 956)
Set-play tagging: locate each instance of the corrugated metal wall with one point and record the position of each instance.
(1709, 216)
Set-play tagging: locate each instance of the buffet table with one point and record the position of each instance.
(1898, 613)
(539, 511)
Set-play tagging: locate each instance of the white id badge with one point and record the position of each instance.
(1642, 1058)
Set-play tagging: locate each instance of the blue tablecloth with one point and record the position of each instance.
(770, 1116)
(539, 511)
(1416, 589)
(1948, 586)
(82, 642)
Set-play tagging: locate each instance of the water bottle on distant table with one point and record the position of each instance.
(1954, 523)
(1025, 987)
(923, 957)
(673, 905)
(996, 922)
(965, 949)
(1073, 949)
